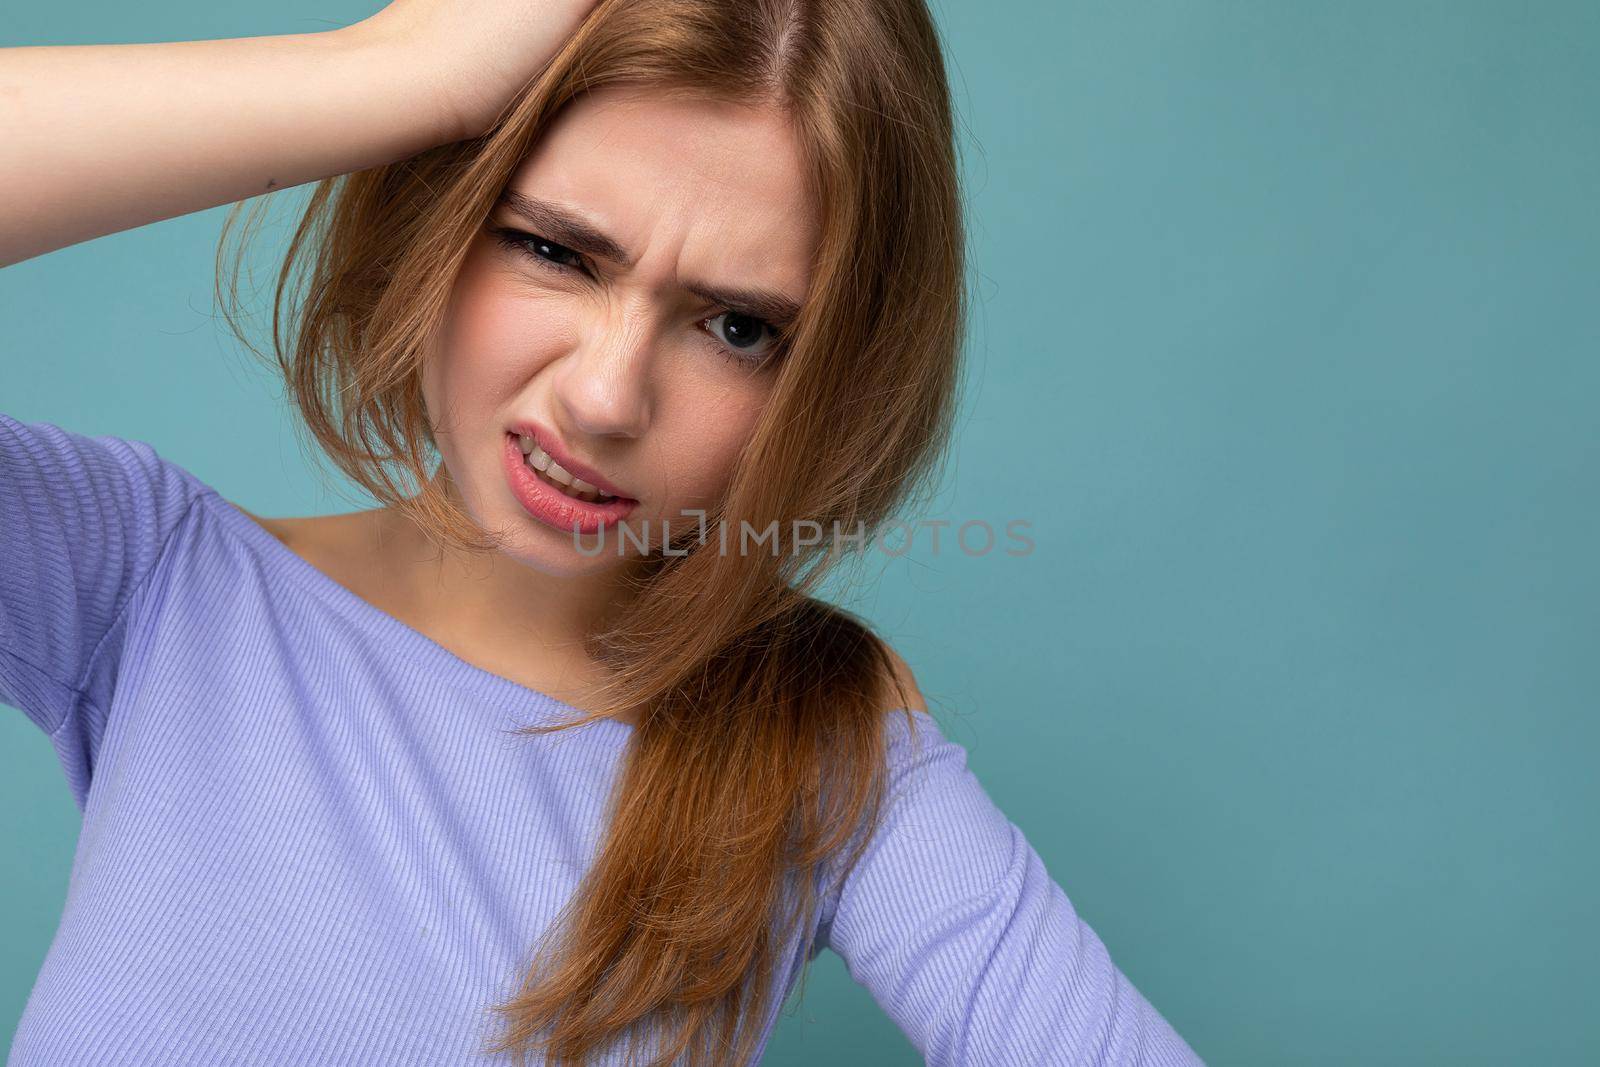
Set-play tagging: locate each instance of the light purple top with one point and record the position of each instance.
(308, 837)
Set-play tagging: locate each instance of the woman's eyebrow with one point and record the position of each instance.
(773, 308)
(563, 227)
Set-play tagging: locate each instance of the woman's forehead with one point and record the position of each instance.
(681, 175)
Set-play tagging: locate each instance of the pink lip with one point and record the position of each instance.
(550, 505)
(558, 452)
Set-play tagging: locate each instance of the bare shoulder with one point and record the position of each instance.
(279, 528)
(322, 540)
(901, 689)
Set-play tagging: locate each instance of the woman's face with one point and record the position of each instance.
(621, 304)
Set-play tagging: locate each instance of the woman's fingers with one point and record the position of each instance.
(476, 56)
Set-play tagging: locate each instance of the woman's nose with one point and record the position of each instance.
(603, 385)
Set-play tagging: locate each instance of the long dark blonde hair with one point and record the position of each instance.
(757, 765)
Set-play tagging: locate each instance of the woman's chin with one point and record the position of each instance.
(565, 555)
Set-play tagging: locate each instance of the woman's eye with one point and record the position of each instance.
(541, 249)
(560, 254)
(749, 337)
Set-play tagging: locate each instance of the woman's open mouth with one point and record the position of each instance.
(555, 497)
(553, 474)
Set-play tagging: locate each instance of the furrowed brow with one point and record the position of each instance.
(773, 308)
(563, 227)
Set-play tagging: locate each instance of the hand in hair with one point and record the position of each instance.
(478, 55)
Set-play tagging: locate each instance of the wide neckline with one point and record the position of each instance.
(410, 643)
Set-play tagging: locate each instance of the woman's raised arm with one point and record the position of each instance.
(95, 139)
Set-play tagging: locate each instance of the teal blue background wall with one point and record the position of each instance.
(1286, 344)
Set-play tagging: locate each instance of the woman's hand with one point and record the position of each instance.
(476, 55)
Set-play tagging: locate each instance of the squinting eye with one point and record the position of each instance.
(539, 249)
(748, 336)
(561, 254)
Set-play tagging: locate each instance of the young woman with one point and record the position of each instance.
(468, 777)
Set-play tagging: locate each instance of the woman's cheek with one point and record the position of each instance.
(702, 463)
(503, 339)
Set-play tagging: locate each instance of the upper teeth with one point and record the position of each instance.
(540, 460)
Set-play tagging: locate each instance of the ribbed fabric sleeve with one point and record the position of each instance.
(312, 836)
(953, 924)
(82, 522)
